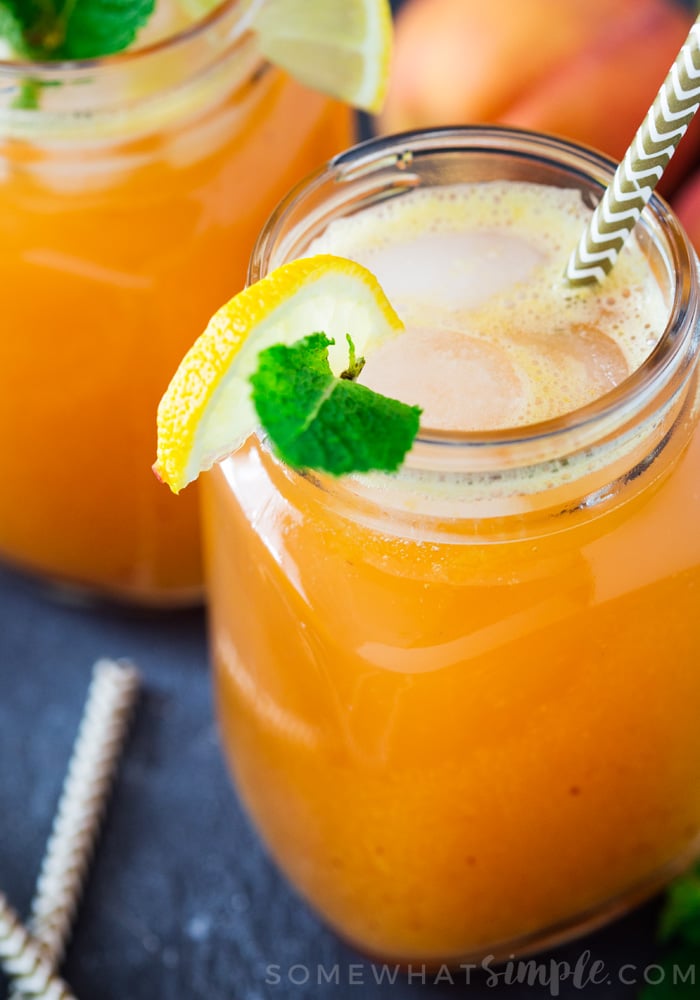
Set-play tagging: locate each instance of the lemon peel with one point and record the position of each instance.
(340, 47)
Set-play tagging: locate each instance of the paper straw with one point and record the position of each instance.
(641, 168)
(24, 960)
(90, 772)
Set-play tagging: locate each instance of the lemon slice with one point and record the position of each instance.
(206, 412)
(340, 47)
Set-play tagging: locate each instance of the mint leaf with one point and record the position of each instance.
(317, 421)
(679, 933)
(102, 27)
(28, 89)
(680, 917)
(71, 29)
(11, 28)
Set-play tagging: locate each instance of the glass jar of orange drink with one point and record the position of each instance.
(129, 202)
(460, 702)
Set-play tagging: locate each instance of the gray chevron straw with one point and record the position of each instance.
(641, 168)
(97, 747)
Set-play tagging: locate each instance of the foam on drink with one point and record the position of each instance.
(495, 336)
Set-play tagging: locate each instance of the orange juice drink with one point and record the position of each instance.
(129, 203)
(460, 702)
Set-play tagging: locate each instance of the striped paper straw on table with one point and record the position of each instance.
(90, 773)
(641, 168)
(24, 960)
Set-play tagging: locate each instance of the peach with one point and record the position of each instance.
(585, 70)
(687, 205)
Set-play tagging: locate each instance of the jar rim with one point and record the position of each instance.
(70, 68)
(400, 152)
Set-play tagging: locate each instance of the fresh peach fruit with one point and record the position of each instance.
(687, 205)
(585, 70)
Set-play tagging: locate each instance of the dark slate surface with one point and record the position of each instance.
(181, 902)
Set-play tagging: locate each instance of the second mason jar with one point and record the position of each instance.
(131, 191)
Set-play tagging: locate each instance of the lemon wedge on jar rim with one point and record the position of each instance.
(340, 47)
(206, 412)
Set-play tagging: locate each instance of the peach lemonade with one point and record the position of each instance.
(131, 191)
(460, 700)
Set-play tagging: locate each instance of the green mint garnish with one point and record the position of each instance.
(71, 29)
(11, 28)
(680, 917)
(318, 421)
(679, 935)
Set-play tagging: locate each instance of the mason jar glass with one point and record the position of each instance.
(460, 702)
(131, 191)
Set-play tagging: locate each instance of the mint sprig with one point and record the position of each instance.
(11, 28)
(316, 420)
(71, 29)
(679, 937)
(680, 917)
